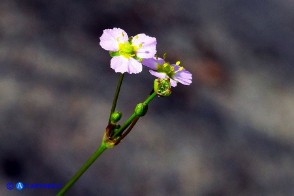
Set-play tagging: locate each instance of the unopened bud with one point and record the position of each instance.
(115, 117)
(141, 109)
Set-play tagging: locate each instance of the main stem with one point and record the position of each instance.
(84, 168)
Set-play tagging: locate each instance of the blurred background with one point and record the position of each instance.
(230, 133)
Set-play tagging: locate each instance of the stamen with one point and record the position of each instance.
(164, 56)
(180, 69)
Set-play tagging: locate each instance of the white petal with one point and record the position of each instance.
(146, 45)
(134, 66)
(111, 38)
(121, 64)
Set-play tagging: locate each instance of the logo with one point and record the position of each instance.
(19, 186)
(9, 185)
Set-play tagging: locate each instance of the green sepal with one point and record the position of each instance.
(113, 54)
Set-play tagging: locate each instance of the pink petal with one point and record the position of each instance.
(146, 45)
(122, 65)
(158, 74)
(184, 77)
(119, 64)
(173, 83)
(152, 63)
(111, 38)
(134, 66)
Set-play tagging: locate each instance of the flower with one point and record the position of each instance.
(127, 53)
(174, 72)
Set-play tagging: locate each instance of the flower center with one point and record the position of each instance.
(126, 49)
(166, 68)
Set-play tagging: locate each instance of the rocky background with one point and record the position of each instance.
(230, 133)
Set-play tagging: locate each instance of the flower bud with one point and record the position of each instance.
(162, 86)
(115, 117)
(141, 109)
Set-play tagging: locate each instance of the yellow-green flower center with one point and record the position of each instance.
(169, 69)
(166, 68)
(126, 49)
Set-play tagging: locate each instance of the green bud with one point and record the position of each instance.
(141, 109)
(115, 117)
(162, 87)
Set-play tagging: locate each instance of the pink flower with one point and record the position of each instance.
(162, 69)
(127, 53)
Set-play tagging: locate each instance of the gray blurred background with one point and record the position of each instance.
(230, 133)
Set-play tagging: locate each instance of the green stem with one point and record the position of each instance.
(125, 125)
(129, 128)
(150, 98)
(133, 116)
(116, 95)
(132, 119)
(82, 170)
